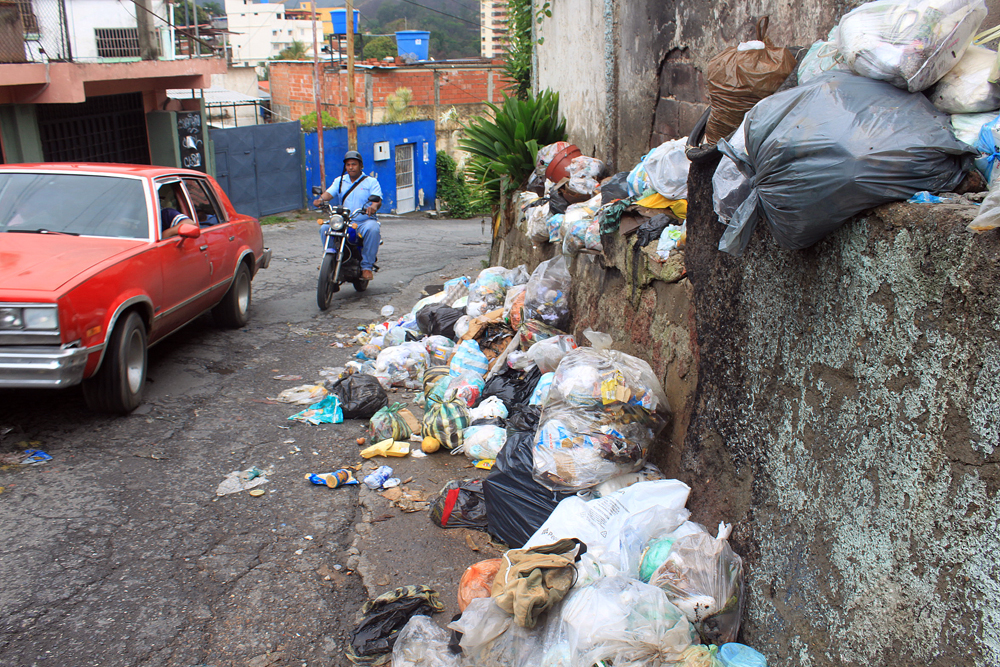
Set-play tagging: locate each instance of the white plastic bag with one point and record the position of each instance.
(667, 168)
(536, 225)
(483, 442)
(988, 217)
(584, 173)
(819, 59)
(671, 238)
(729, 186)
(423, 643)
(966, 88)
(909, 43)
(549, 352)
(575, 222)
(966, 126)
(404, 364)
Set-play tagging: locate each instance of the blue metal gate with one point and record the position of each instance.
(260, 167)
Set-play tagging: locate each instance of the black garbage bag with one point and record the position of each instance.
(557, 203)
(384, 617)
(615, 187)
(490, 421)
(460, 505)
(512, 386)
(437, 319)
(360, 395)
(517, 505)
(650, 230)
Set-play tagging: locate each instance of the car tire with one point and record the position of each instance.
(326, 285)
(117, 386)
(233, 312)
(360, 285)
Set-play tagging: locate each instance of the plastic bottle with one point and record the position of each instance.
(377, 478)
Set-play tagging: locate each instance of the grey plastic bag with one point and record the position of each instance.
(820, 153)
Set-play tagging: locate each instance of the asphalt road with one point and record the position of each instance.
(118, 551)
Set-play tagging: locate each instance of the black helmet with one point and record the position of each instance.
(353, 155)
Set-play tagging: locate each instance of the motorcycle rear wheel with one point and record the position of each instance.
(360, 285)
(326, 285)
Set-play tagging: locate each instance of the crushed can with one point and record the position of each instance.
(378, 477)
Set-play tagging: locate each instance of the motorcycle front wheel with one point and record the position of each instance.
(326, 286)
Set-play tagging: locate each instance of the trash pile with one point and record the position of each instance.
(898, 100)
(603, 565)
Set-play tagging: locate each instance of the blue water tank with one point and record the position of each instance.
(339, 24)
(412, 43)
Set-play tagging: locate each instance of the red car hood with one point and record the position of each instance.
(46, 262)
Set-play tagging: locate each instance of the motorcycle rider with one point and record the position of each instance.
(353, 190)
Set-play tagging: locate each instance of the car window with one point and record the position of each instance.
(205, 205)
(173, 205)
(81, 204)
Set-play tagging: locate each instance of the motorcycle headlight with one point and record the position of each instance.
(337, 223)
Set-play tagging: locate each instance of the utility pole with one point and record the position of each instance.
(147, 38)
(319, 107)
(352, 126)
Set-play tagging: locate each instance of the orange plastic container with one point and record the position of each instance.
(559, 167)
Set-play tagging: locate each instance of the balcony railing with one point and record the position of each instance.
(33, 31)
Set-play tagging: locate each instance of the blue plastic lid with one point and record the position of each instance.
(740, 655)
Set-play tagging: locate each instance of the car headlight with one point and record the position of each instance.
(337, 223)
(11, 318)
(41, 319)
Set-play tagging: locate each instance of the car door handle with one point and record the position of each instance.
(204, 247)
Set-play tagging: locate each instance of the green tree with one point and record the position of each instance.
(380, 47)
(194, 14)
(297, 51)
(453, 190)
(214, 8)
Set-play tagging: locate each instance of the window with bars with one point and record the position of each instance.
(28, 19)
(117, 42)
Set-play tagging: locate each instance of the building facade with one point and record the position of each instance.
(493, 28)
(260, 31)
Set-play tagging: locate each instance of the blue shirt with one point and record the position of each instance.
(358, 197)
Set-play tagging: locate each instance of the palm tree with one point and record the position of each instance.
(297, 51)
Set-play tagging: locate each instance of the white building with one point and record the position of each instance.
(493, 28)
(260, 31)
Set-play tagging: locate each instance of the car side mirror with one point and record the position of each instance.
(317, 191)
(188, 230)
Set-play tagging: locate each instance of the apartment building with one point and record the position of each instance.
(261, 30)
(493, 28)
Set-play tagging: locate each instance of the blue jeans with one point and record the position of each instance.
(370, 232)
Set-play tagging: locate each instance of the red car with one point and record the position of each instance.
(100, 261)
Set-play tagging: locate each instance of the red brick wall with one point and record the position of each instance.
(292, 87)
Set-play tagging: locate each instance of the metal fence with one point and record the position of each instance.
(33, 31)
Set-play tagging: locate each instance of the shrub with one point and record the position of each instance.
(453, 191)
(308, 121)
(380, 47)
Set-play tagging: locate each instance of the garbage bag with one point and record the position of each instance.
(512, 386)
(576, 221)
(988, 217)
(439, 349)
(361, 396)
(516, 504)
(673, 237)
(741, 76)
(819, 59)
(384, 617)
(554, 223)
(455, 289)
(615, 187)
(460, 504)
(730, 187)
(489, 408)
(387, 424)
(549, 352)
(541, 393)
(477, 581)
(432, 375)
(423, 643)
(699, 655)
(438, 319)
(533, 331)
(967, 88)
(703, 576)
(483, 441)
(513, 306)
(465, 387)
(869, 143)
(488, 292)
(468, 358)
(626, 622)
(637, 182)
(547, 295)
(966, 126)
(445, 422)
(545, 155)
(908, 43)
(667, 168)
(585, 175)
(604, 409)
(740, 655)
(404, 364)
(398, 335)
(536, 223)
(650, 230)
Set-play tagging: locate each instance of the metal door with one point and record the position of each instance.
(260, 167)
(404, 179)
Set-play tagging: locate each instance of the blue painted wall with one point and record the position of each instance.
(417, 132)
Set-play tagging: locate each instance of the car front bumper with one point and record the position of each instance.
(41, 366)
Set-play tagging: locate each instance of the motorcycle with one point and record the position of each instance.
(341, 255)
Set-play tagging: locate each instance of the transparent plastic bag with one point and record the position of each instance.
(468, 358)
(541, 393)
(439, 349)
(455, 289)
(423, 643)
(584, 174)
(988, 217)
(729, 186)
(483, 442)
(513, 306)
(477, 581)
(667, 168)
(627, 622)
(700, 655)
(545, 155)
(536, 223)
(909, 43)
(404, 364)
(703, 576)
(554, 224)
(465, 387)
(549, 352)
(488, 292)
(387, 424)
(967, 88)
(576, 220)
(819, 59)
(966, 126)
(490, 638)
(547, 295)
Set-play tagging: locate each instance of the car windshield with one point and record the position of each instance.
(79, 204)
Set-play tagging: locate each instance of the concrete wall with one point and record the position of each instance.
(84, 16)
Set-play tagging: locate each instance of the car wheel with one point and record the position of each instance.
(117, 385)
(360, 285)
(326, 285)
(233, 311)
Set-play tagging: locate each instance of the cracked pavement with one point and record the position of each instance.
(118, 552)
